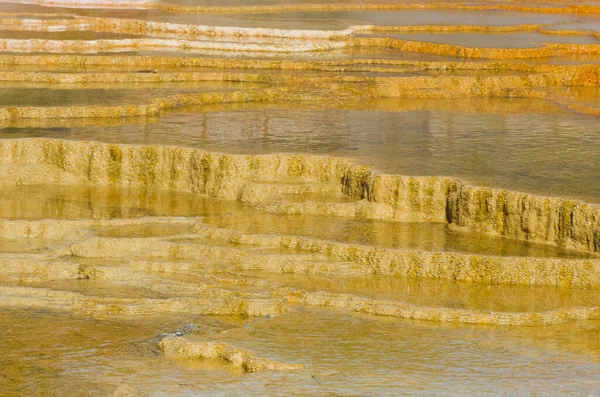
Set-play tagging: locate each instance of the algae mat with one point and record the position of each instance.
(299, 198)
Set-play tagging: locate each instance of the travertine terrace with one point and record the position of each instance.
(299, 198)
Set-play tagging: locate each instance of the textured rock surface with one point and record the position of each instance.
(224, 352)
(555, 221)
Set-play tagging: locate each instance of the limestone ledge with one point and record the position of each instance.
(209, 297)
(33, 268)
(547, 50)
(142, 27)
(469, 105)
(583, 74)
(409, 263)
(206, 46)
(12, 175)
(161, 29)
(442, 82)
(559, 7)
(316, 89)
(447, 315)
(311, 255)
(216, 302)
(155, 107)
(76, 229)
(227, 303)
(60, 123)
(89, 3)
(243, 359)
(534, 7)
(315, 257)
(551, 220)
(163, 36)
(197, 298)
(168, 45)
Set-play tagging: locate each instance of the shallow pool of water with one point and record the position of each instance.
(49, 351)
(140, 94)
(525, 145)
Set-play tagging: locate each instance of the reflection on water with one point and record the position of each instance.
(422, 360)
(61, 202)
(20, 35)
(342, 352)
(337, 20)
(101, 97)
(412, 236)
(487, 40)
(94, 279)
(550, 152)
(82, 357)
(330, 20)
(72, 203)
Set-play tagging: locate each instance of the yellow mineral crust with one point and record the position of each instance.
(450, 5)
(195, 46)
(546, 51)
(211, 301)
(197, 298)
(447, 265)
(145, 61)
(243, 359)
(567, 75)
(549, 220)
(64, 228)
(315, 88)
(194, 31)
(183, 38)
(170, 45)
(89, 3)
(367, 260)
(156, 265)
(154, 108)
(160, 29)
(448, 315)
(467, 105)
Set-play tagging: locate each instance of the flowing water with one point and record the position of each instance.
(325, 199)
